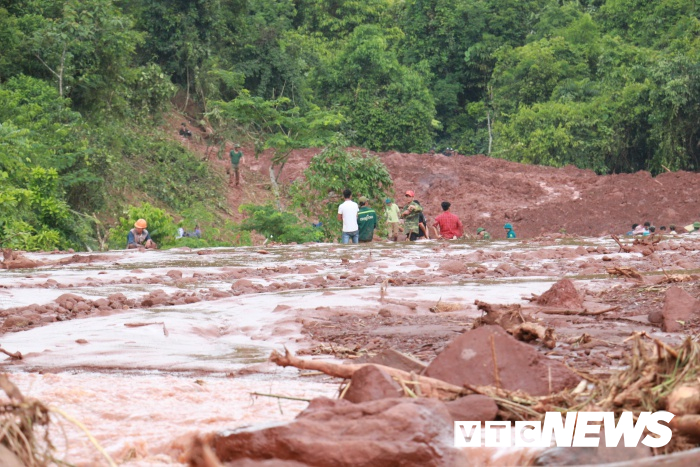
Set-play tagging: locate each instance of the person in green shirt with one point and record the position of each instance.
(510, 233)
(482, 234)
(236, 157)
(392, 219)
(366, 220)
(411, 214)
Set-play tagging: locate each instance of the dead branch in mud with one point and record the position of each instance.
(584, 312)
(25, 429)
(411, 305)
(625, 248)
(13, 355)
(445, 307)
(278, 396)
(382, 297)
(138, 325)
(511, 318)
(625, 272)
(430, 387)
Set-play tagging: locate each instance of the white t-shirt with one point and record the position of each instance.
(349, 211)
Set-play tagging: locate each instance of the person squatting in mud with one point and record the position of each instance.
(411, 214)
(138, 237)
(447, 225)
(482, 234)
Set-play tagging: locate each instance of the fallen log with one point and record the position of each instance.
(429, 387)
(584, 312)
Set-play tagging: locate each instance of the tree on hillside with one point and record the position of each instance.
(86, 50)
(332, 171)
(275, 124)
(388, 105)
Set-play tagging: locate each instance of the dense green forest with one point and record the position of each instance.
(612, 86)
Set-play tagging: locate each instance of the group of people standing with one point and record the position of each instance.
(360, 221)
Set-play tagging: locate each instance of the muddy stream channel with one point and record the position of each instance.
(154, 346)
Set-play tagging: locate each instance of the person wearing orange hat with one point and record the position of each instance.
(411, 214)
(138, 237)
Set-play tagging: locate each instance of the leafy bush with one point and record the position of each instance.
(329, 173)
(160, 226)
(283, 227)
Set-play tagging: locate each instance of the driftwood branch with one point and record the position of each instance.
(13, 355)
(278, 396)
(429, 387)
(584, 312)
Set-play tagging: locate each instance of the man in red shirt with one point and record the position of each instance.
(450, 226)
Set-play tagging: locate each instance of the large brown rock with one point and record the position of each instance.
(388, 432)
(395, 359)
(472, 408)
(453, 267)
(370, 383)
(67, 298)
(468, 359)
(561, 294)
(679, 307)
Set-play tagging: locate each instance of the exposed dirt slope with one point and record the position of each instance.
(488, 192)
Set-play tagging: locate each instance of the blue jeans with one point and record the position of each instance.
(354, 235)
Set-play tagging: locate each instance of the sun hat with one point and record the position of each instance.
(696, 225)
(410, 193)
(140, 224)
(363, 199)
(508, 226)
(480, 229)
(387, 201)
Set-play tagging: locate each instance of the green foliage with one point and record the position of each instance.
(610, 85)
(332, 171)
(152, 167)
(215, 230)
(275, 123)
(161, 226)
(278, 226)
(388, 104)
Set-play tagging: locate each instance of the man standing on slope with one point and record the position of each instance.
(411, 214)
(449, 224)
(366, 221)
(236, 157)
(347, 213)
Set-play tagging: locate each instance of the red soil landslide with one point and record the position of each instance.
(488, 192)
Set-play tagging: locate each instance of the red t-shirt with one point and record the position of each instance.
(450, 225)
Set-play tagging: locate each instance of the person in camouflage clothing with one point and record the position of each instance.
(411, 214)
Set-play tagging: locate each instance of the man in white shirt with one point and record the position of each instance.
(347, 212)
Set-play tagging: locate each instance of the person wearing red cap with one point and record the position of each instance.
(138, 237)
(411, 214)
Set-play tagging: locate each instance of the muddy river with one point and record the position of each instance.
(189, 346)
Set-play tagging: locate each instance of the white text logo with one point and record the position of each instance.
(573, 432)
